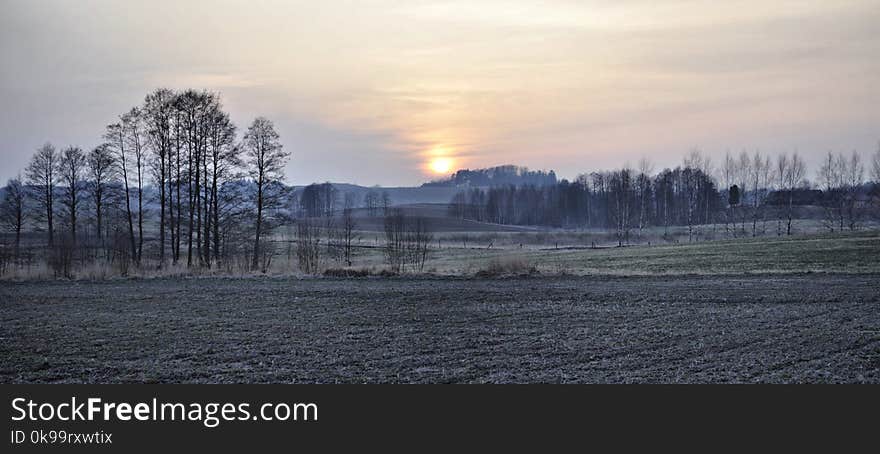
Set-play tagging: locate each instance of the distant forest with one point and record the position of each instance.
(498, 176)
(752, 188)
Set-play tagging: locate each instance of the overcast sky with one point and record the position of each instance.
(369, 92)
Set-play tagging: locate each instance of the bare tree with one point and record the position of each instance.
(176, 175)
(318, 200)
(458, 206)
(781, 177)
(395, 240)
(115, 136)
(386, 202)
(744, 165)
(194, 108)
(308, 251)
(41, 177)
(707, 186)
(760, 171)
(643, 186)
(71, 170)
(766, 183)
(349, 235)
(335, 243)
(728, 177)
(854, 177)
(406, 241)
(621, 195)
(875, 174)
(796, 171)
(875, 165)
(158, 113)
(698, 161)
(134, 123)
(836, 169)
(419, 238)
(100, 163)
(266, 160)
(831, 179)
(371, 201)
(224, 160)
(12, 211)
(691, 188)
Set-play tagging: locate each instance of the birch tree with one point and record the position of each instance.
(794, 174)
(100, 168)
(71, 170)
(41, 174)
(265, 160)
(12, 211)
(875, 165)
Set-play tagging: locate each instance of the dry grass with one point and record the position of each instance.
(824, 253)
(507, 266)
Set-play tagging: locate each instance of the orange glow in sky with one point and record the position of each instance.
(394, 93)
(441, 166)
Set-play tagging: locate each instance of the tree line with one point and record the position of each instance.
(496, 176)
(741, 194)
(218, 194)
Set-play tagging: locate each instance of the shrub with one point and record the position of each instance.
(507, 266)
(387, 273)
(346, 272)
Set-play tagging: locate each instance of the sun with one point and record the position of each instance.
(441, 166)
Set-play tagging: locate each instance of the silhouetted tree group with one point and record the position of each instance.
(746, 187)
(318, 200)
(407, 241)
(171, 183)
(374, 201)
(621, 200)
(498, 176)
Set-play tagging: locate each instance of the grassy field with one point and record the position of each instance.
(841, 254)
(850, 253)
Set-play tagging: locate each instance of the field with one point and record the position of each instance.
(850, 253)
(789, 309)
(791, 328)
(464, 248)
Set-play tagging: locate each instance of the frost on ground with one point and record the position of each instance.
(792, 328)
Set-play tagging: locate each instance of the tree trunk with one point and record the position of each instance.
(256, 261)
(18, 224)
(207, 211)
(179, 208)
(127, 199)
(50, 208)
(190, 197)
(216, 212)
(73, 213)
(161, 211)
(140, 249)
(98, 209)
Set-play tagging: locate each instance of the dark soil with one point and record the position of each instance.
(802, 328)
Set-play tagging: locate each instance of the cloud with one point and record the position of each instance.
(364, 91)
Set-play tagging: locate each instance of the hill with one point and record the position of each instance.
(497, 176)
(437, 215)
(397, 195)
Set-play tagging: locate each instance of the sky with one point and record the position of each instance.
(396, 92)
